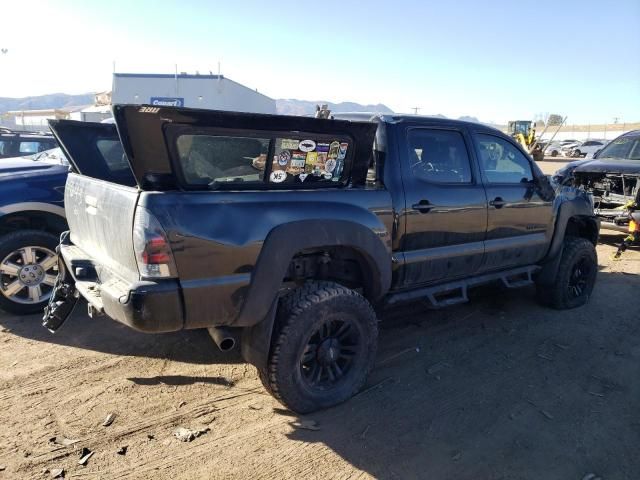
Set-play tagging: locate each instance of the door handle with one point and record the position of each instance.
(423, 206)
(497, 202)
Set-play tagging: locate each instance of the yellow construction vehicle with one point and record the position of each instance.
(524, 132)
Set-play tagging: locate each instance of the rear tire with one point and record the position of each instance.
(575, 278)
(323, 348)
(37, 277)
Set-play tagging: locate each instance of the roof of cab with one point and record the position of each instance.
(409, 118)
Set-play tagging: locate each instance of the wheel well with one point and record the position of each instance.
(32, 220)
(584, 227)
(344, 265)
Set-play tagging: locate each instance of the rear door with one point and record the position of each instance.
(446, 207)
(100, 194)
(520, 220)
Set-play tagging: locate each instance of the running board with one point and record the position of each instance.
(453, 293)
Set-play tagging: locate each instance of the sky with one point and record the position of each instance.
(496, 60)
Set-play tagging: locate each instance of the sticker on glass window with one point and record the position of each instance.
(297, 163)
(333, 150)
(278, 176)
(308, 160)
(342, 151)
(318, 167)
(289, 144)
(307, 145)
(322, 147)
(284, 157)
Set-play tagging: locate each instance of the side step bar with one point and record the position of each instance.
(456, 292)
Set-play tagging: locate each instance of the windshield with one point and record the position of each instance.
(625, 148)
(53, 155)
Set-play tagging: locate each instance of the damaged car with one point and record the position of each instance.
(612, 178)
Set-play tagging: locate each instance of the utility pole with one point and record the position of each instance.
(415, 110)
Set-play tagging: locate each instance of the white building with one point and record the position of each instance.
(213, 92)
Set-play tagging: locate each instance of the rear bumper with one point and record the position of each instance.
(146, 306)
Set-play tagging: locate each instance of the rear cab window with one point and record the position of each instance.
(218, 159)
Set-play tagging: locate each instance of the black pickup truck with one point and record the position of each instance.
(285, 235)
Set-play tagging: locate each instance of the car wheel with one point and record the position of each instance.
(577, 153)
(28, 269)
(554, 153)
(323, 347)
(576, 276)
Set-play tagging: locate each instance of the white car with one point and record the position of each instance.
(567, 149)
(555, 148)
(588, 148)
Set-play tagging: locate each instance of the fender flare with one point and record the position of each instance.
(33, 206)
(284, 241)
(578, 207)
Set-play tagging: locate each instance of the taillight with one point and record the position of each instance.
(151, 246)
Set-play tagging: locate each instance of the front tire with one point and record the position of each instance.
(323, 348)
(28, 269)
(575, 278)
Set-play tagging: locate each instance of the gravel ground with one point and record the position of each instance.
(498, 388)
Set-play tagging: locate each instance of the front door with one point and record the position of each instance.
(519, 218)
(446, 208)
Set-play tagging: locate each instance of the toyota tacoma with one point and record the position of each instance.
(286, 235)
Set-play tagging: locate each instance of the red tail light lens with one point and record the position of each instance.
(151, 246)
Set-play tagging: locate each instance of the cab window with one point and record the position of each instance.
(439, 156)
(501, 162)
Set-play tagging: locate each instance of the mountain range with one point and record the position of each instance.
(284, 106)
(291, 106)
(42, 102)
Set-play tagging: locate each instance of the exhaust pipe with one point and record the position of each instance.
(226, 338)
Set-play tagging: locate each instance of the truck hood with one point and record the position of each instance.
(609, 165)
(10, 167)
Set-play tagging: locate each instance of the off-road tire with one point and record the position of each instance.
(300, 313)
(558, 294)
(13, 241)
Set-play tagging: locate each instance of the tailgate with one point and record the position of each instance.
(100, 216)
(100, 199)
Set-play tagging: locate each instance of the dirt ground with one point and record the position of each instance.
(498, 388)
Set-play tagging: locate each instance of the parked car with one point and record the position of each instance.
(567, 149)
(555, 148)
(32, 218)
(288, 257)
(612, 177)
(15, 143)
(588, 148)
